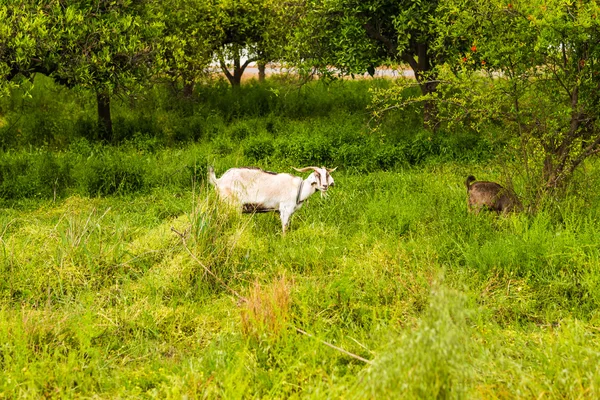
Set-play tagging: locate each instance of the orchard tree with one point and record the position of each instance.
(534, 68)
(278, 32)
(251, 30)
(106, 46)
(356, 36)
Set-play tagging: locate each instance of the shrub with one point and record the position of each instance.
(40, 175)
(317, 151)
(85, 127)
(388, 157)
(305, 150)
(354, 156)
(11, 173)
(109, 173)
(240, 131)
(259, 148)
(128, 127)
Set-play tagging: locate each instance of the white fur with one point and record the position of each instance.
(270, 191)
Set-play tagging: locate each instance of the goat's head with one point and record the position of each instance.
(320, 178)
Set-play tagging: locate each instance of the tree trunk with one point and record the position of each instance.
(262, 66)
(105, 129)
(549, 172)
(563, 158)
(188, 89)
(421, 66)
(428, 86)
(235, 78)
(430, 117)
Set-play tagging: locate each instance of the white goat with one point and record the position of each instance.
(256, 190)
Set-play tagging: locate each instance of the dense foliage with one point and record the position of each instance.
(530, 67)
(358, 36)
(319, 125)
(548, 56)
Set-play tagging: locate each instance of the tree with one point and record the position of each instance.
(251, 30)
(101, 45)
(109, 47)
(355, 36)
(533, 67)
(24, 39)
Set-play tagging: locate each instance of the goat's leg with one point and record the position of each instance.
(285, 214)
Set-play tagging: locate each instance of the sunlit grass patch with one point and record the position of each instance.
(559, 360)
(136, 291)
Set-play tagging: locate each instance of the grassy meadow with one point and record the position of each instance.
(121, 275)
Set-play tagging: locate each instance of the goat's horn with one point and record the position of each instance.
(305, 169)
(331, 170)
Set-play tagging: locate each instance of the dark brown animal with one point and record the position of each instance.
(491, 196)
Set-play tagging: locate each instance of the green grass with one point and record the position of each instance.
(101, 298)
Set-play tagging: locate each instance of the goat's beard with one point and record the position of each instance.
(324, 193)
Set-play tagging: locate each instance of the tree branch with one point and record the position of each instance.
(224, 69)
(374, 33)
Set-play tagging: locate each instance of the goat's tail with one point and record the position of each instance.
(470, 179)
(212, 178)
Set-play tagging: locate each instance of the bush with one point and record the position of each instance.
(354, 156)
(108, 173)
(259, 148)
(85, 127)
(388, 157)
(37, 175)
(128, 127)
(240, 131)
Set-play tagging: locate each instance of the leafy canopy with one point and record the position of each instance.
(532, 66)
